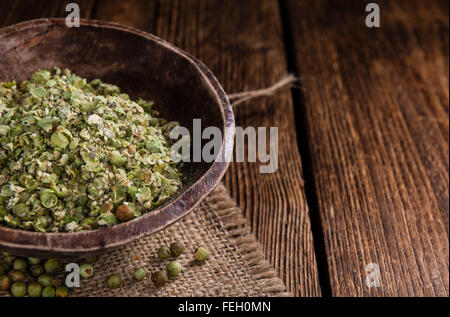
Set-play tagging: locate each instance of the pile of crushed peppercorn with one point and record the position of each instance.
(78, 155)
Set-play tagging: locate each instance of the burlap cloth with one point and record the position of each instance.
(236, 266)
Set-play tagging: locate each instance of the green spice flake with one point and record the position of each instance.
(78, 155)
(39, 92)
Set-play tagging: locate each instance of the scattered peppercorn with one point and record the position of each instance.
(114, 281)
(160, 278)
(20, 265)
(48, 291)
(18, 289)
(16, 276)
(51, 266)
(3, 268)
(36, 270)
(140, 274)
(45, 280)
(176, 249)
(173, 268)
(164, 253)
(62, 291)
(34, 289)
(5, 282)
(201, 254)
(34, 261)
(86, 270)
(8, 258)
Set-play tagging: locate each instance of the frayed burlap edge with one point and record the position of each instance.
(237, 230)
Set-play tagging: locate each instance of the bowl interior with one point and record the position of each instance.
(140, 64)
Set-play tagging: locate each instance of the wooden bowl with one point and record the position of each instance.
(144, 66)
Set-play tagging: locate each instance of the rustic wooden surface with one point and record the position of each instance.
(376, 105)
(371, 124)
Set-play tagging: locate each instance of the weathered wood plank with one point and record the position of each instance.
(241, 41)
(377, 105)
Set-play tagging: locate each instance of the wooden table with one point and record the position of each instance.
(364, 142)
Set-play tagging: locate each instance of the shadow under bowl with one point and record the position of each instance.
(144, 66)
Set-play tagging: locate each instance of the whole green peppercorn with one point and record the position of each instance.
(201, 254)
(16, 276)
(114, 281)
(4, 268)
(176, 249)
(159, 278)
(86, 270)
(164, 253)
(48, 291)
(45, 280)
(18, 289)
(124, 213)
(139, 274)
(36, 270)
(51, 266)
(34, 261)
(5, 282)
(20, 265)
(34, 289)
(62, 291)
(173, 268)
(8, 258)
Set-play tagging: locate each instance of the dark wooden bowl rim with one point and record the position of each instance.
(91, 242)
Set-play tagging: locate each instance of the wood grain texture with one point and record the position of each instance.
(242, 43)
(377, 105)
